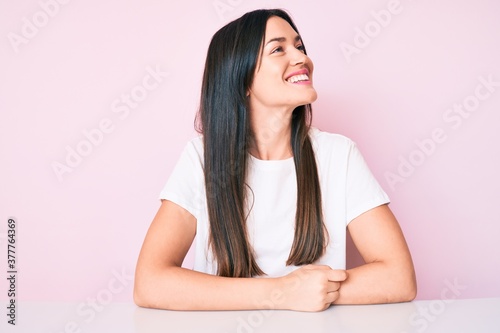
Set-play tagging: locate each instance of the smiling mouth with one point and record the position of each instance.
(298, 78)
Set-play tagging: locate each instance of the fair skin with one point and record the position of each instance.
(273, 96)
(387, 276)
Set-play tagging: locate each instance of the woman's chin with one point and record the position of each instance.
(312, 97)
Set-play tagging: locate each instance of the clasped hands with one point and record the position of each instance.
(309, 288)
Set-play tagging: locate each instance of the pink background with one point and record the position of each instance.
(78, 231)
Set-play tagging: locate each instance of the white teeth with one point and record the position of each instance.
(297, 78)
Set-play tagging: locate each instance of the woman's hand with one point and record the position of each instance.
(311, 288)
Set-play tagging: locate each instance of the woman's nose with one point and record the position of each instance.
(298, 57)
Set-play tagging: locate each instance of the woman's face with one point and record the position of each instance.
(283, 78)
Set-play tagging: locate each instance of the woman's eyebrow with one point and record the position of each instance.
(282, 39)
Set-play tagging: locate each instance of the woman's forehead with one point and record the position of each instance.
(279, 29)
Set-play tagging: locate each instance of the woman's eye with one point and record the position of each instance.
(301, 48)
(278, 49)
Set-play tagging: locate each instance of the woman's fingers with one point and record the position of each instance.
(337, 275)
(313, 287)
(332, 297)
(332, 286)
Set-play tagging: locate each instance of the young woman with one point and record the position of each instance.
(268, 197)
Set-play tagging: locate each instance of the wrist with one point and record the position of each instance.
(275, 294)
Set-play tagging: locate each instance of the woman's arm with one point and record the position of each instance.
(161, 282)
(388, 275)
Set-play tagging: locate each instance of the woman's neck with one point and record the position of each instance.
(271, 134)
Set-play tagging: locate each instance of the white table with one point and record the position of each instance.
(472, 315)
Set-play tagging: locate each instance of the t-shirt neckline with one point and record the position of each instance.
(271, 164)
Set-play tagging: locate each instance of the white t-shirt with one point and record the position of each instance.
(348, 189)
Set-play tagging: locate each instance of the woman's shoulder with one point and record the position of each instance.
(327, 140)
(196, 143)
(193, 150)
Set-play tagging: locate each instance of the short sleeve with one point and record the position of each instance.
(363, 192)
(185, 186)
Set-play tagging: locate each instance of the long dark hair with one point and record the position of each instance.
(224, 121)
